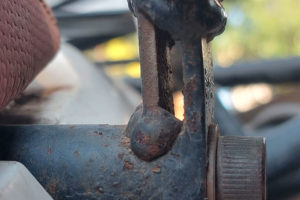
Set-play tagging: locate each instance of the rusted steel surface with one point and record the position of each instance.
(153, 127)
(193, 21)
(184, 19)
(240, 162)
(196, 119)
(96, 162)
(152, 132)
(155, 67)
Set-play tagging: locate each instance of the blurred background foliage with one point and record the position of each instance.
(256, 29)
(259, 29)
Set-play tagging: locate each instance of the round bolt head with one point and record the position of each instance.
(152, 132)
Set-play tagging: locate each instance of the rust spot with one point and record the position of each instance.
(121, 155)
(175, 155)
(143, 139)
(76, 153)
(125, 142)
(72, 127)
(193, 122)
(98, 132)
(88, 190)
(49, 150)
(44, 174)
(190, 86)
(154, 149)
(51, 187)
(124, 195)
(128, 165)
(156, 169)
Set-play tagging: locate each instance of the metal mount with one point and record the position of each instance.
(236, 168)
(155, 156)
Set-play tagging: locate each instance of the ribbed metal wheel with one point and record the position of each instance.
(240, 170)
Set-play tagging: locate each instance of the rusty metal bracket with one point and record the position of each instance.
(153, 127)
(195, 24)
(155, 156)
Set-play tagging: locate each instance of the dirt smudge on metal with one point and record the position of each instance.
(51, 187)
(128, 165)
(50, 151)
(142, 138)
(125, 142)
(98, 133)
(121, 155)
(76, 153)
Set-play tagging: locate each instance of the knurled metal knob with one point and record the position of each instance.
(240, 170)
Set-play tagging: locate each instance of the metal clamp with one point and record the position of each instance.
(236, 165)
(158, 157)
